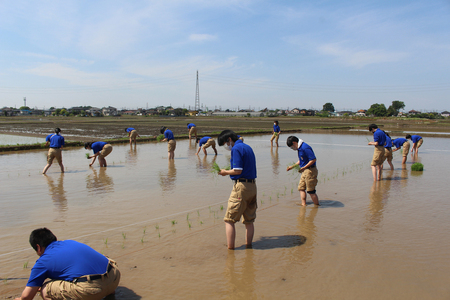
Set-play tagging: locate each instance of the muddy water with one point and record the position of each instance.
(163, 223)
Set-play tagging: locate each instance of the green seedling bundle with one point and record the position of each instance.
(417, 167)
(216, 168)
(160, 137)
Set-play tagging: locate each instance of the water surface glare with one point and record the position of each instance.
(162, 221)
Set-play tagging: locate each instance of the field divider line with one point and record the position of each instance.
(128, 225)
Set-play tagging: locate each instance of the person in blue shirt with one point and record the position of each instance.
(132, 134)
(379, 140)
(56, 142)
(192, 130)
(275, 133)
(399, 143)
(242, 201)
(76, 270)
(307, 162)
(206, 142)
(417, 142)
(101, 149)
(171, 143)
(388, 150)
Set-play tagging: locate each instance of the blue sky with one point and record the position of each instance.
(275, 54)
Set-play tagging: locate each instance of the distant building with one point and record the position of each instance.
(413, 112)
(237, 114)
(445, 114)
(94, 112)
(109, 111)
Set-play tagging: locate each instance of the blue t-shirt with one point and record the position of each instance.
(203, 140)
(380, 137)
(399, 142)
(67, 260)
(56, 140)
(98, 146)
(305, 154)
(130, 129)
(168, 134)
(415, 138)
(191, 125)
(276, 128)
(243, 158)
(388, 142)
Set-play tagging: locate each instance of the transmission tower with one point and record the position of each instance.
(197, 96)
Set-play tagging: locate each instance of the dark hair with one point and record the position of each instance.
(290, 140)
(196, 141)
(87, 144)
(225, 135)
(162, 129)
(188, 124)
(408, 136)
(276, 122)
(42, 237)
(372, 126)
(57, 130)
(126, 129)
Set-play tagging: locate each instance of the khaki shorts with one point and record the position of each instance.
(242, 203)
(52, 154)
(419, 143)
(378, 156)
(193, 130)
(133, 134)
(405, 148)
(87, 290)
(210, 143)
(171, 145)
(308, 181)
(388, 154)
(275, 136)
(106, 150)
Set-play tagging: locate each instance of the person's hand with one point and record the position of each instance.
(289, 168)
(223, 172)
(90, 165)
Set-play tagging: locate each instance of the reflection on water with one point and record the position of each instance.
(58, 194)
(132, 155)
(205, 163)
(308, 231)
(99, 182)
(168, 178)
(275, 160)
(240, 274)
(379, 194)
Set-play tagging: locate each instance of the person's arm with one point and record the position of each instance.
(309, 164)
(28, 293)
(293, 166)
(373, 143)
(46, 144)
(200, 147)
(94, 157)
(412, 148)
(393, 150)
(231, 172)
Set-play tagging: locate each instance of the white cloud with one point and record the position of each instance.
(202, 37)
(359, 58)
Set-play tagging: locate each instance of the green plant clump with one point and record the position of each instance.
(160, 137)
(216, 168)
(296, 167)
(87, 155)
(417, 167)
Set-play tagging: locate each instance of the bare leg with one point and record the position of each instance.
(171, 154)
(374, 172)
(215, 150)
(62, 167)
(249, 232)
(102, 161)
(315, 199)
(404, 159)
(230, 232)
(204, 151)
(303, 197)
(379, 171)
(46, 168)
(392, 166)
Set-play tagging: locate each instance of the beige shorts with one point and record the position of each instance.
(275, 136)
(193, 130)
(87, 290)
(106, 150)
(308, 181)
(242, 203)
(209, 143)
(405, 148)
(171, 145)
(388, 154)
(378, 156)
(133, 134)
(52, 154)
(419, 143)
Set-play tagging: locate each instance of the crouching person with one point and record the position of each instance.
(75, 270)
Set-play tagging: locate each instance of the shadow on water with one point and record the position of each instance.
(123, 293)
(281, 241)
(323, 203)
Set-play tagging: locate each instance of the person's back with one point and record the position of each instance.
(56, 141)
(242, 155)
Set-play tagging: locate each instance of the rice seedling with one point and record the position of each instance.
(417, 167)
(190, 225)
(187, 217)
(262, 202)
(295, 166)
(174, 222)
(156, 226)
(173, 231)
(216, 168)
(221, 207)
(198, 213)
(25, 265)
(123, 245)
(145, 229)
(159, 234)
(142, 240)
(367, 139)
(106, 242)
(5, 280)
(209, 209)
(87, 155)
(278, 195)
(124, 235)
(264, 194)
(292, 191)
(201, 222)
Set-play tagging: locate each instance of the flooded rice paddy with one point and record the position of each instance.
(162, 221)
